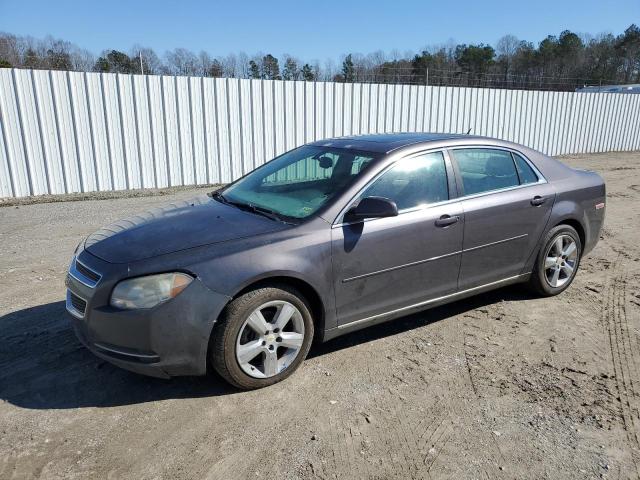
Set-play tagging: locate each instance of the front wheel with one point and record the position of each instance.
(557, 262)
(262, 337)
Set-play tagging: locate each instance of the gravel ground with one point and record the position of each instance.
(505, 385)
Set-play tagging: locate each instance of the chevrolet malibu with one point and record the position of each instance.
(323, 240)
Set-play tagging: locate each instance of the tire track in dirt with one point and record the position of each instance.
(402, 429)
(427, 436)
(392, 437)
(585, 293)
(473, 382)
(441, 436)
(8, 467)
(628, 350)
(341, 438)
(428, 439)
(623, 358)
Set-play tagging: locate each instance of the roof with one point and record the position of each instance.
(385, 142)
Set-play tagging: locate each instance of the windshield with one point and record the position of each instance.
(295, 185)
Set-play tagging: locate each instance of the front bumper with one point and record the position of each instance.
(170, 339)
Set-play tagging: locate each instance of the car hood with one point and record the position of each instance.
(179, 226)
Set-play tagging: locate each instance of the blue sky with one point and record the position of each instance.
(310, 30)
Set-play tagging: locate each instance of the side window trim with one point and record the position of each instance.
(515, 165)
(535, 171)
(462, 196)
(453, 192)
(452, 179)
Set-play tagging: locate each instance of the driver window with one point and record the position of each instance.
(413, 182)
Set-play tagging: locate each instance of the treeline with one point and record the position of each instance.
(561, 62)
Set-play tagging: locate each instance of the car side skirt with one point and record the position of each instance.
(425, 305)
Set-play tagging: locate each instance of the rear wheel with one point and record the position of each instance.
(557, 262)
(262, 337)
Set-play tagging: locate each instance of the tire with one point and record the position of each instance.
(544, 271)
(235, 337)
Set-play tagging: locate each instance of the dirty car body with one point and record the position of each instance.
(480, 228)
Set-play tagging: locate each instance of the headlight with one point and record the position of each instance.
(147, 292)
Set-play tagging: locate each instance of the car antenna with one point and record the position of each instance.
(468, 131)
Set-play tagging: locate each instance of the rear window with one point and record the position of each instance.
(488, 169)
(484, 169)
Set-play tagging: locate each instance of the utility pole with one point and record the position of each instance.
(141, 67)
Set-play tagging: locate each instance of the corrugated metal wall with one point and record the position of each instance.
(63, 132)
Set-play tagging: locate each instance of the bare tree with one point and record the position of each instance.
(330, 70)
(243, 65)
(181, 61)
(507, 46)
(215, 69)
(9, 49)
(317, 70)
(204, 61)
(230, 65)
(151, 63)
(82, 60)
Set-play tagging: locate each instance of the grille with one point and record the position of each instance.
(79, 304)
(90, 274)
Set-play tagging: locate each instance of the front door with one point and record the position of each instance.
(506, 208)
(385, 264)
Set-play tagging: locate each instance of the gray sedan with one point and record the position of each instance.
(325, 239)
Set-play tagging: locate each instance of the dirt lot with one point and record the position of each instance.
(505, 385)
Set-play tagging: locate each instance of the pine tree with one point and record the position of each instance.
(254, 70)
(348, 70)
(307, 73)
(270, 67)
(290, 71)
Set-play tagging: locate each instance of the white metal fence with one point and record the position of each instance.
(63, 132)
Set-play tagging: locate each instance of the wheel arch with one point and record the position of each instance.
(576, 225)
(305, 288)
(310, 293)
(569, 220)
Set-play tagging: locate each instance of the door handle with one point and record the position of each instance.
(446, 220)
(538, 200)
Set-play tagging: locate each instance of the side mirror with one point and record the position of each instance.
(372, 207)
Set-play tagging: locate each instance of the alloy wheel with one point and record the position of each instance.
(270, 339)
(560, 260)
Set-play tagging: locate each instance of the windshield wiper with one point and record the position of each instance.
(250, 207)
(218, 196)
(265, 212)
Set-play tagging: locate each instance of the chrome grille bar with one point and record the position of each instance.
(84, 274)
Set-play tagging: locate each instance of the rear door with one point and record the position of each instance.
(506, 204)
(385, 264)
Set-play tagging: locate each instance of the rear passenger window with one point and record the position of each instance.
(413, 181)
(484, 169)
(525, 172)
